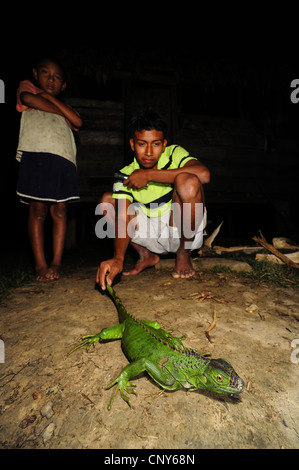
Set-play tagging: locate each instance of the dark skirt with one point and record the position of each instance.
(46, 177)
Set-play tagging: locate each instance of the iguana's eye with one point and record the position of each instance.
(219, 378)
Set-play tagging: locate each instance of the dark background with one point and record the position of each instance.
(241, 77)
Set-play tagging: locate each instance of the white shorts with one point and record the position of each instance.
(155, 233)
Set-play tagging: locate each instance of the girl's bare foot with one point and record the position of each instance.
(41, 274)
(53, 272)
(183, 266)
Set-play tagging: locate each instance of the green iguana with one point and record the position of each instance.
(163, 356)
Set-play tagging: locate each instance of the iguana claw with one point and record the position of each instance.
(89, 340)
(122, 386)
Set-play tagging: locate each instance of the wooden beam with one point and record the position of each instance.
(262, 241)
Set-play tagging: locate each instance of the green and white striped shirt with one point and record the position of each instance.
(155, 199)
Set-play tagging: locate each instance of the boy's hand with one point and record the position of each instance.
(109, 268)
(138, 179)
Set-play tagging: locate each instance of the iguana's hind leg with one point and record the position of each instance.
(114, 332)
(154, 324)
(165, 334)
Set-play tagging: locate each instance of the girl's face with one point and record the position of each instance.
(49, 78)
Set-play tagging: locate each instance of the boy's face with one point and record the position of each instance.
(148, 146)
(49, 78)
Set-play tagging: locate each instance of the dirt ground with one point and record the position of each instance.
(54, 401)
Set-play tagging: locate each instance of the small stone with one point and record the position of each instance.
(48, 432)
(47, 410)
(158, 296)
(252, 308)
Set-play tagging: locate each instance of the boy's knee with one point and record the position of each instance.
(187, 185)
(107, 198)
(106, 206)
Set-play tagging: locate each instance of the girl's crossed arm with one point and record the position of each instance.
(45, 102)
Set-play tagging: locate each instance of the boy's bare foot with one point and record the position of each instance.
(53, 272)
(183, 266)
(41, 274)
(146, 260)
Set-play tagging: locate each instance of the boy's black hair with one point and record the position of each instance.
(147, 120)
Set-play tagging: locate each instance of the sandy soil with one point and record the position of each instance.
(51, 400)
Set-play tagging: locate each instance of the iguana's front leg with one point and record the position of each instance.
(114, 332)
(123, 385)
(157, 372)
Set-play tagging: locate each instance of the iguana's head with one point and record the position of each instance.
(220, 377)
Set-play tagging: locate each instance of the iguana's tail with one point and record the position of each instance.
(122, 312)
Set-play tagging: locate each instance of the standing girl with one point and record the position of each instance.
(47, 155)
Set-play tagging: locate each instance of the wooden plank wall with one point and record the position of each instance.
(242, 172)
(232, 148)
(100, 146)
(234, 151)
